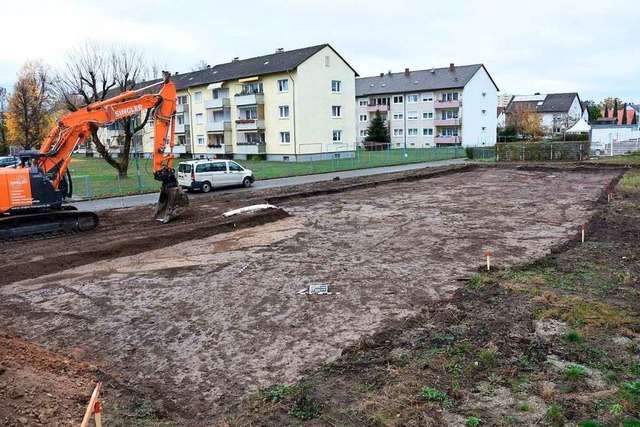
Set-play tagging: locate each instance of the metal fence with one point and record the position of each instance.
(94, 178)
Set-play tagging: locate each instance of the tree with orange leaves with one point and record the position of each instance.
(28, 118)
(526, 120)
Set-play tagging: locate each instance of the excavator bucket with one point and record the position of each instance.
(171, 203)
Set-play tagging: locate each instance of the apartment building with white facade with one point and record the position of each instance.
(280, 106)
(431, 108)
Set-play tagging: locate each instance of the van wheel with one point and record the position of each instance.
(597, 152)
(246, 183)
(206, 187)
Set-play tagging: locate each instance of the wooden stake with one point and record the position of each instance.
(488, 254)
(91, 407)
(582, 227)
(96, 411)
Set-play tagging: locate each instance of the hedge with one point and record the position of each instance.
(551, 151)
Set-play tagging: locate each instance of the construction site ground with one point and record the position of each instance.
(202, 322)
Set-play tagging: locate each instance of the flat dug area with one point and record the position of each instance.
(203, 322)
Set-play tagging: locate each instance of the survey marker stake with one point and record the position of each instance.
(488, 254)
(582, 228)
(93, 408)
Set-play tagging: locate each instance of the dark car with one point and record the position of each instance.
(9, 162)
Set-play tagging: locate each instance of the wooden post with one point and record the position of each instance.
(91, 407)
(582, 227)
(488, 254)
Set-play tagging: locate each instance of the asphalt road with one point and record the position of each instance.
(152, 198)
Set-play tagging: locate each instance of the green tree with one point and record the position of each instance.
(378, 131)
(606, 111)
(634, 120)
(624, 114)
(615, 109)
(594, 111)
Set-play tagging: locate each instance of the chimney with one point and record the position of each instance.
(279, 50)
(381, 74)
(208, 66)
(451, 66)
(236, 59)
(433, 70)
(175, 74)
(406, 71)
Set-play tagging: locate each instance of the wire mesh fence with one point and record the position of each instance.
(94, 178)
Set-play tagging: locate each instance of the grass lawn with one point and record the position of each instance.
(631, 159)
(94, 178)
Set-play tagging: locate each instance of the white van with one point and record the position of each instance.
(204, 175)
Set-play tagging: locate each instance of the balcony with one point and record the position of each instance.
(447, 122)
(249, 124)
(114, 133)
(440, 139)
(447, 104)
(182, 128)
(218, 126)
(251, 148)
(217, 104)
(249, 99)
(182, 108)
(374, 108)
(219, 149)
(179, 149)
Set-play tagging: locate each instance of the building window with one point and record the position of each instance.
(412, 132)
(285, 137)
(199, 118)
(336, 86)
(181, 100)
(180, 118)
(427, 97)
(254, 138)
(449, 114)
(450, 96)
(484, 94)
(412, 115)
(327, 61)
(428, 115)
(200, 139)
(336, 111)
(252, 88)
(248, 114)
(412, 98)
(398, 116)
(397, 99)
(363, 117)
(364, 102)
(337, 135)
(283, 110)
(398, 132)
(484, 112)
(363, 132)
(484, 129)
(427, 132)
(283, 85)
(198, 97)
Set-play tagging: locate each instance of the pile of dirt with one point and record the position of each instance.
(40, 387)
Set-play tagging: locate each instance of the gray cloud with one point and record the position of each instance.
(542, 46)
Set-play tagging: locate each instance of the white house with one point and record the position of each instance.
(558, 110)
(428, 108)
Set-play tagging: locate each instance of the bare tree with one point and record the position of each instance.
(28, 118)
(4, 143)
(97, 71)
(200, 65)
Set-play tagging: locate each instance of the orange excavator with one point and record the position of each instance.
(33, 195)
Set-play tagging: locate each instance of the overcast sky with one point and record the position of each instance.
(527, 46)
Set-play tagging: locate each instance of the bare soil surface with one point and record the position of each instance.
(190, 318)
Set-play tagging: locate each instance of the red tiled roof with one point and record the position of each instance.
(620, 112)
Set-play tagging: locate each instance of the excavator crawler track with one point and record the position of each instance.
(46, 224)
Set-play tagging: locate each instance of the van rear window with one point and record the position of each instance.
(183, 167)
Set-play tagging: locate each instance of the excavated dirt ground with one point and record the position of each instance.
(192, 317)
